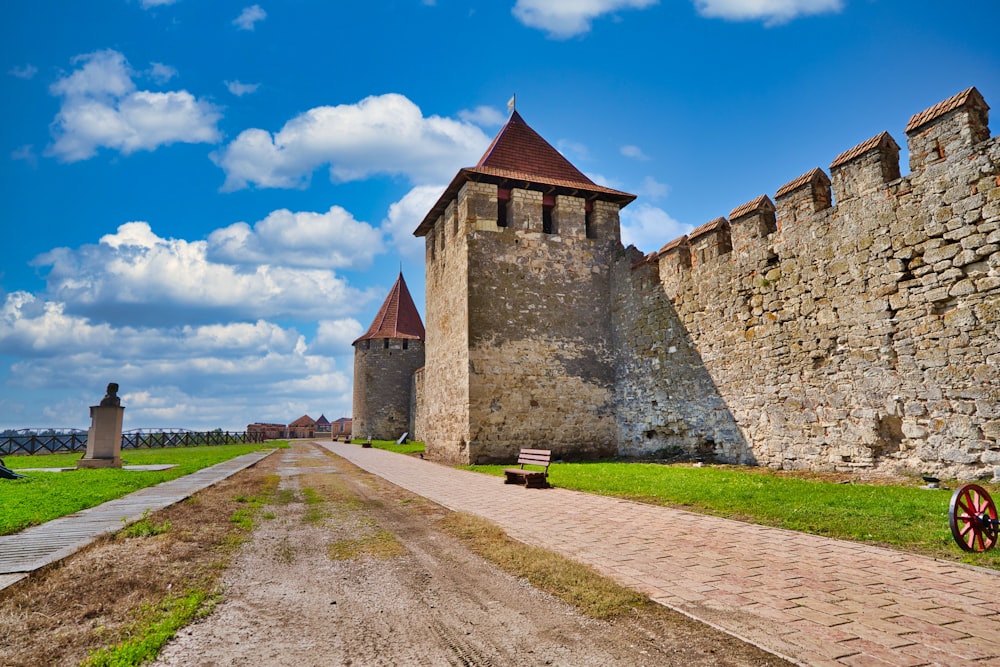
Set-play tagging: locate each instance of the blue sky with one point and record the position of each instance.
(206, 202)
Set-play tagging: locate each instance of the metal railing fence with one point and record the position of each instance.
(66, 441)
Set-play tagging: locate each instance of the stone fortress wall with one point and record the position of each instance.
(847, 324)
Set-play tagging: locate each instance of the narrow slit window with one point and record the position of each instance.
(503, 198)
(588, 221)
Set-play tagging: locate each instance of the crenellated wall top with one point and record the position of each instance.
(955, 125)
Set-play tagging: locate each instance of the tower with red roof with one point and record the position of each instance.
(385, 358)
(519, 255)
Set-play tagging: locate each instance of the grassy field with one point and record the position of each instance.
(44, 496)
(411, 447)
(903, 517)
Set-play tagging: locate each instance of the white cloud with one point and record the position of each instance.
(137, 277)
(649, 228)
(26, 153)
(574, 149)
(23, 71)
(562, 19)
(633, 152)
(249, 17)
(161, 73)
(336, 336)
(483, 116)
(240, 89)
(146, 4)
(405, 215)
(174, 376)
(384, 134)
(102, 108)
(320, 240)
(772, 12)
(652, 188)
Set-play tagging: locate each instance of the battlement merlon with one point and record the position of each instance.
(750, 224)
(866, 168)
(949, 127)
(802, 197)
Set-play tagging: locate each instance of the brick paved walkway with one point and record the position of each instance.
(812, 600)
(36, 547)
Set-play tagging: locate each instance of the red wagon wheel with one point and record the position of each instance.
(973, 518)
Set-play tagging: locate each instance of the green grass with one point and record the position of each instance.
(45, 496)
(154, 627)
(411, 447)
(905, 517)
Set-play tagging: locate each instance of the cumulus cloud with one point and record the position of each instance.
(23, 71)
(101, 108)
(385, 134)
(652, 188)
(136, 277)
(648, 228)
(336, 336)
(240, 89)
(562, 19)
(772, 12)
(305, 239)
(405, 215)
(177, 376)
(161, 73)
(249, 17)
(483, 116)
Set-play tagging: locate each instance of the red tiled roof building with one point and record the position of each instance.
(385, 358)
(519, 251)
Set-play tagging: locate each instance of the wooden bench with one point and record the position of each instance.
(532, 479)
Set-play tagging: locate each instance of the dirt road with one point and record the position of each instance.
(350, 570)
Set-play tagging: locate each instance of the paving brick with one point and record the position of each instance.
(827, 601)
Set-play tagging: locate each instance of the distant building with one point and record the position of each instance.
(267, 431)
(322, 424)
(303, 427)
(341, 427)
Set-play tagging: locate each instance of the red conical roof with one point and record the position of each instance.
(398, 316)
(519, 154)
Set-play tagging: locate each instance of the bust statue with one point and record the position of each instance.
(111, 397)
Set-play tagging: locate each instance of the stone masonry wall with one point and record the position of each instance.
(527, 354)
(846, 325)
(443, 421)
(383, 372)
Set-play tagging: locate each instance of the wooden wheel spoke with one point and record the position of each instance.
(970, 515)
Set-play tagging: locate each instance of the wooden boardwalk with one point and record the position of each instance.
(36, 547)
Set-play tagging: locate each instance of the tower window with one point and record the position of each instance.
(406, 344)
(549, 225)
(503, 197)
(588, 221)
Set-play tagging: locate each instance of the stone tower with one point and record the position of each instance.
(519, 251)
(385, 359)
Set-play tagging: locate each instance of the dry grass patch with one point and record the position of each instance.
(120, 592)
(595, 595)
(381, 545)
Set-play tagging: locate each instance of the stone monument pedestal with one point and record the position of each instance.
(104, 439)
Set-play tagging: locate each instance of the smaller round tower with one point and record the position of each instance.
(385, 358)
